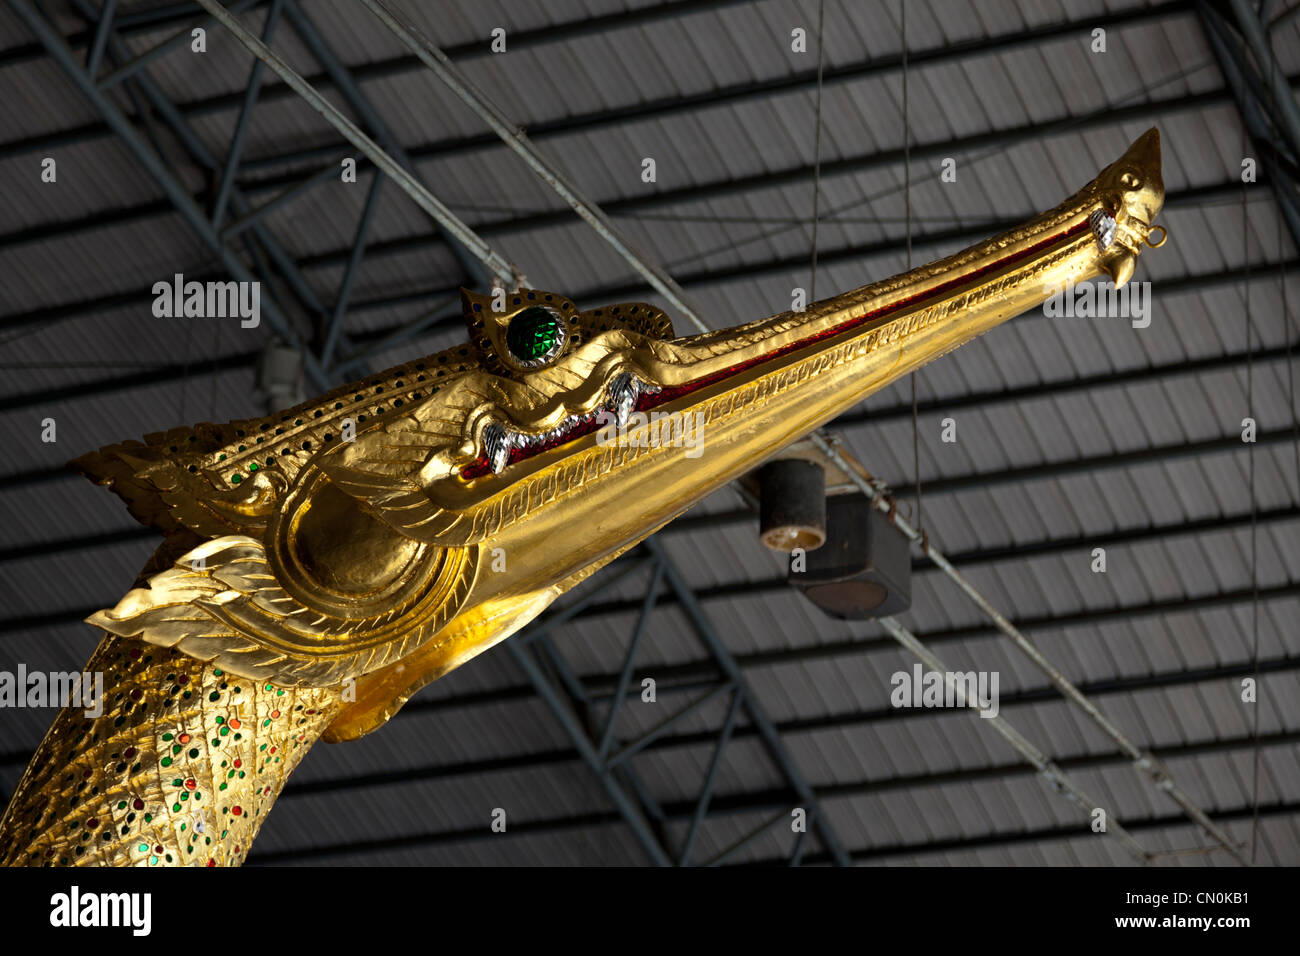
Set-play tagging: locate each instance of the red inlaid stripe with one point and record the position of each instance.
(480, 466)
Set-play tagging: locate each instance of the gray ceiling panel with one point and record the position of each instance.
(1107, 432)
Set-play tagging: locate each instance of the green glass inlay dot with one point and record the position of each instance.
(534, 335)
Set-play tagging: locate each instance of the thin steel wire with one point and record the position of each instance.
(1063, 125)
(817, 152)
(907, 231)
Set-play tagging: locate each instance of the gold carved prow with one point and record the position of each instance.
(349, 550)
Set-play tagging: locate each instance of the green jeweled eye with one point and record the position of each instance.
(535, 336)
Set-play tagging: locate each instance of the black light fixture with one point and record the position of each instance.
(280, 377)
(864, 568)
(792, 505)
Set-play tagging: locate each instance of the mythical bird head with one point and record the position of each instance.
(1131, 193)
(397, 526)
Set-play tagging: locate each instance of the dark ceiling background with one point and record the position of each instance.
(1073, 433)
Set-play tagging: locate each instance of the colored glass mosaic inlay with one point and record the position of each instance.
(535, 334)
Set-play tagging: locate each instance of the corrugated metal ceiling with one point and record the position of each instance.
(1094, 447)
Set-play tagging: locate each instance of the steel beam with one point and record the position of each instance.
(1123, 537)
(1057, 779)
(482, 272)
(973, 482)
(156, 168)
(565, 695)
(760, 802)
(615, 206)
(235, 151)
(1283, 18)
(1251, 106)
(1143, 761)
(632, 813)
(1047, 834)
(338, 257)
(846, 721)
(391, 167)
(865, 855)
(102, 28)
(769, 824)
(444, 312)
(199, 151)
(291, 193)
(568, 680)
(141, 22)
(595, 741)
(629, 659)
(251, 219)
(703, 627)
(1282, 106)
(514, 137)
(632, 748)
(710, 781)
(359, 238)
(177, 40)
(180, 13)
(384, 337)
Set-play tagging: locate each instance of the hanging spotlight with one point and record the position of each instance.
(792, 505)
(279, 377)
(864, 568)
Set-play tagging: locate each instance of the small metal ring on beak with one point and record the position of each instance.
(1164, 237)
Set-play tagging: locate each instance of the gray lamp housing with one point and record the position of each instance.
(863, 570)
